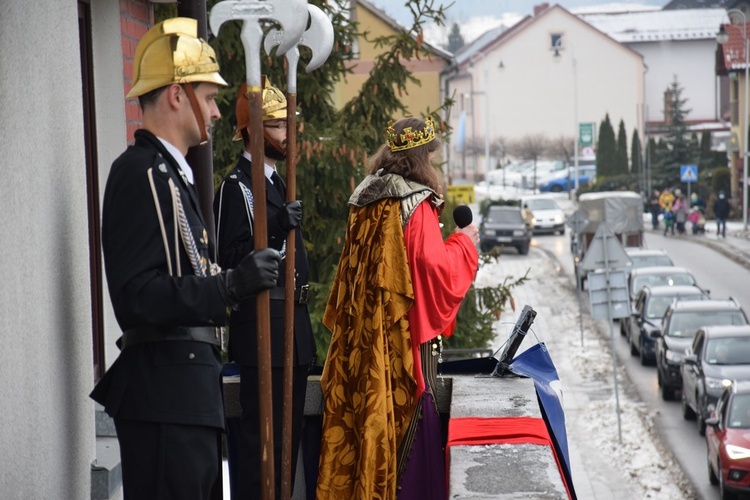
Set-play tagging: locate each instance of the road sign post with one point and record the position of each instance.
(604, 254)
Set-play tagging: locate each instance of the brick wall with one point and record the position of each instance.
(136, 17)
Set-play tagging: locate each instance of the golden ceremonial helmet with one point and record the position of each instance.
(274, 106)
(171, 52)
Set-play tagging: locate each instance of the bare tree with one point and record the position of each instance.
(562, 148)
(530, 147)
(499, 149)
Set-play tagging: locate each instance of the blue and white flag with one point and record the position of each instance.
(536, 363)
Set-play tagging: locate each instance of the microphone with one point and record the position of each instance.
(462, 216)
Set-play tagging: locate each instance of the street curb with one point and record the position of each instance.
(723, 247)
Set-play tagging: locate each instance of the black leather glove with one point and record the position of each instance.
(256, 272)
(290, 215)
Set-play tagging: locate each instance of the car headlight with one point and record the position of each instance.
(717, 383)
(487, 232)
(673, 356)
(518, 232)
(737, 452)
(558, 219)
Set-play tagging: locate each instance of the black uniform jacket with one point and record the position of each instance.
(173, 381)
(236, 241)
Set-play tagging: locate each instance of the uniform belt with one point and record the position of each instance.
(143, 334)
(279, 293)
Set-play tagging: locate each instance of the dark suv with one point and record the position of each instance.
(681, 322)
(719, 355)
(642, 327)
(504, 225)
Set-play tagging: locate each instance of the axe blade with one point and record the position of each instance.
(318, 38)
(290, 14)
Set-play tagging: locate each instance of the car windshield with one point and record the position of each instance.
(686, 324)
(739, 412)
(650, 260)
(542, 204)
(728, 351)
(657, 306)
(512, 216)
(664, 279)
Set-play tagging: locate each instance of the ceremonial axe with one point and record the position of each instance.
(292, 16)
(319, 39)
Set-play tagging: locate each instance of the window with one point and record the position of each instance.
(556, 41)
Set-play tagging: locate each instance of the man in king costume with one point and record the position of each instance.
(398, 287)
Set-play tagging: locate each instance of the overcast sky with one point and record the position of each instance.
(462, 10)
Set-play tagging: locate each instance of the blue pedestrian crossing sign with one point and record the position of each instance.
(689, 173)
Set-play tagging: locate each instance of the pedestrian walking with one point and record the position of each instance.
(398, 287)
(164, 390)
(680, 211)
(666, 199)
(234, 212)
(654, 208)
(721, 212)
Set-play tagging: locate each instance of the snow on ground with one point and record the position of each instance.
(637, 467)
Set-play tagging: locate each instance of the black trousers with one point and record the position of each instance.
(167, 461)
(248, 484)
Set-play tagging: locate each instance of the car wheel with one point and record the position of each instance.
(623, 333)
(523, 249)
(485, 247)
(645, 360)
(711, 475)
(667, 393)
(687, 412)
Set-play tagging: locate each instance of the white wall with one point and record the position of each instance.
(110, 123)
(692, 61)
(534, 94)
(47, 431)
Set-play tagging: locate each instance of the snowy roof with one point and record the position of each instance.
(467, 51)
(681, 24)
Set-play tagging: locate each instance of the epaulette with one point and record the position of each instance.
(235, 176)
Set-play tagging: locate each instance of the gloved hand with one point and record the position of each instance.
(290, 215)
(256, 272)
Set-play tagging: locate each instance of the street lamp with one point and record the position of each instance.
(723, 37)
(556, 55)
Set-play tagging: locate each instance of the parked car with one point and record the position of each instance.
(728, 442)
(645, 320)
(648, 257)
(681, 322)
(504, 225)
(719, 355)
(656, 276)
(548, 216)
(565, 180)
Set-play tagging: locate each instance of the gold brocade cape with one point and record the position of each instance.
(368, 381)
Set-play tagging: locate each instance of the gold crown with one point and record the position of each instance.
(409, 138)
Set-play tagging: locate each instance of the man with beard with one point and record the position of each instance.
(234, 212)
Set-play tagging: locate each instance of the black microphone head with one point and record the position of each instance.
(462, 216)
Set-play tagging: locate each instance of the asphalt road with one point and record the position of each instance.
(713, 271)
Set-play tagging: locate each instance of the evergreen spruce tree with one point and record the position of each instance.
(605, 149)
(455, 39)
(621, 151)
(636, 158)
(679, 150)
(348, 136)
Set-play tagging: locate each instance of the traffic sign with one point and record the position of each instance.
(608, 294)
(689, 173)
(577, 221)
(586, 134)
(605, 251)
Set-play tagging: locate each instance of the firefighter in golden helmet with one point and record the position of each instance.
(274, 119)
(170, 57)
(168, 293)
(234, 209)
